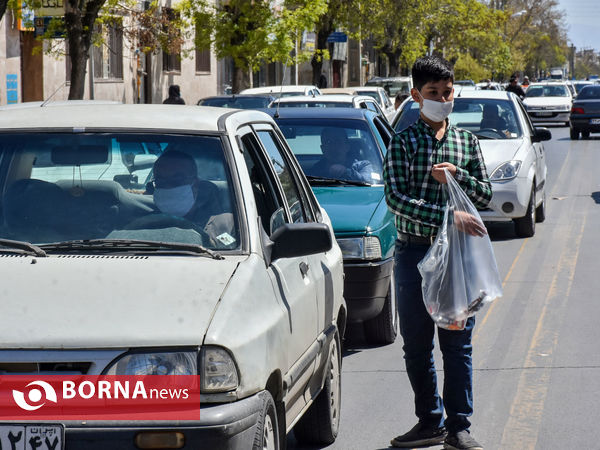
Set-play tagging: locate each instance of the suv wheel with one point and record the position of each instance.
(383, 328)
(574, 134)
(585, 134)
(320, 424)
(267, 432)
(540, 211)
(525, 226)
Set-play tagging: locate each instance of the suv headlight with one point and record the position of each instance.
(506, 171)
(167, 363)
(217, 370)
(367, 247)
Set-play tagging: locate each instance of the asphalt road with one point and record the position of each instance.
(536, 360)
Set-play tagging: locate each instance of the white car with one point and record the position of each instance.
(548, 102)
(284, 90)
(330, 101)
(512, 149)
(375, 92)
(225, 267)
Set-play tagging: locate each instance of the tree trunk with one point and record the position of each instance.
(79, 25)
(241, 79)
(325, 28)
(3, 4)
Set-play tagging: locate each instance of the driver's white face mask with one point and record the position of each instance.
(177, 201)
(436, 111)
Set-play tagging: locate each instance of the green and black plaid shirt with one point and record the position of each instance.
(412, 193)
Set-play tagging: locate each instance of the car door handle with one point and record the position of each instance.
(303, 268)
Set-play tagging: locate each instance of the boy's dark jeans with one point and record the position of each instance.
(417, 329)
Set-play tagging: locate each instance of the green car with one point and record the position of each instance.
(341, 151)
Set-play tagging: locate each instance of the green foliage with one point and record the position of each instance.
(468, 68)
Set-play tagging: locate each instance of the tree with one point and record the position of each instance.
(251, 31)
(3, 5)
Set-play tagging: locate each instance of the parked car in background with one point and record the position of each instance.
(392, 85)
(284, 91)
(580, 84)
(585, 112)
(548, 102)
(241, 101)
(138, 282)
(330, 101)
(493, 86)
(356, 139)
(376, 92)
(512, 149)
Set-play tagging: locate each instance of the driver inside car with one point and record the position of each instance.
(180, 195)
(491, 119)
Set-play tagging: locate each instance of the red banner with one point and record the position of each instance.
(105, 397)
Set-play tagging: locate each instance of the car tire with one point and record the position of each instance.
(574, 134)
(320, 424)
(383, 328)
(267, 431)
(525, 226)
(540, 211)
(585, 135)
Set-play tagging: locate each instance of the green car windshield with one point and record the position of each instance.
(61, 187)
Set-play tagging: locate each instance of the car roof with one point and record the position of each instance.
(234, 96)
(484, 93)
(320, 113)
(329, 98)
(276, 89)
(46, 104)
(125, 116)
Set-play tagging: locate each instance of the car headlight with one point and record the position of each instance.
(506, 171)
(217, 370)
(367, 247)
(167, 363)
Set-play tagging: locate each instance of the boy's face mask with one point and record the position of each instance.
(436, 111)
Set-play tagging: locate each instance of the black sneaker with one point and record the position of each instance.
(460, 441)
(420, 436)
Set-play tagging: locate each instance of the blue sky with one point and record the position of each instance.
(583, 21)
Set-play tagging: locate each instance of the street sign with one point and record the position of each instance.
(337, 36)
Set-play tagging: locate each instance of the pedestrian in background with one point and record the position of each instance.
(413, 178)
(174, 96)
(513, 86)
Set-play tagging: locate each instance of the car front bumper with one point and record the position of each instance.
(549, 116)
(365, 288)
(222, 426)
(514, 192)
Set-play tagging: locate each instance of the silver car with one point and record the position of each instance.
(512, 150)
(548, 102)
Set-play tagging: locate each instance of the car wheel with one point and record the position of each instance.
(567, 124)
(525, 226)
(383, 328)
(267, 432)
(574, 134)
(320, 424)
(540, 211)
(585, 134)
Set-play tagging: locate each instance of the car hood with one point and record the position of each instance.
(547, 101)
(78, 301)
(350, 208)
(498, 151)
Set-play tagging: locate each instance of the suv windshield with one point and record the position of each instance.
(60, 187)
(486, 118)
(335, 149)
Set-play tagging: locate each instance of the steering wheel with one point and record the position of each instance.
(160, 220)
(499, 133)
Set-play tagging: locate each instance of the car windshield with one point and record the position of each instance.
(589, 92)
(371, 94)
(87, 186)
(486, 118)
(392, 87)
(319, 104)
(547, 91)
(237, 102)
(335, 149)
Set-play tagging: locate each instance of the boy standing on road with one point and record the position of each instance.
(413, 176)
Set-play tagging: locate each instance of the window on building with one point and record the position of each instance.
(172, 55)
(108, 58)
(203, 60)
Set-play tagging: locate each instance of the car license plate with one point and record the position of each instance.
(595, 121)
(26, 436)
(543, 114)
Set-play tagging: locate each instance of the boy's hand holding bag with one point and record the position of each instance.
(459, 271)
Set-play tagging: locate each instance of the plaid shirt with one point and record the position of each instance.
(412, 193)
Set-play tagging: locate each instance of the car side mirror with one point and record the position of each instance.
(541, 134)
(300, 239)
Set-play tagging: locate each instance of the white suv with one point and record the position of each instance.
(225, 267)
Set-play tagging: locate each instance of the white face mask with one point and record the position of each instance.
(177, 201)
(436, 111)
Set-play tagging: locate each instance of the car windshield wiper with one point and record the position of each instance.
(130, 244)
(22, 246)
(334, 181)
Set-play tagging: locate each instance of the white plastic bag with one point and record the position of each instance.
(459, 271)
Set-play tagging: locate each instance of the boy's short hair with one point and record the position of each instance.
(431, 69)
